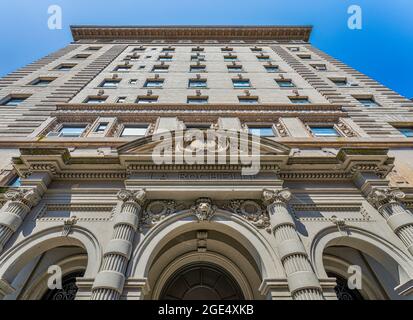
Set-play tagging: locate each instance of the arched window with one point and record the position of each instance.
(69, 288)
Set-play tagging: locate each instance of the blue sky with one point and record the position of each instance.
(382, 49)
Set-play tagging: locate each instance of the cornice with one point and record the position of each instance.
(249, 33)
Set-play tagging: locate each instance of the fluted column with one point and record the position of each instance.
(302, 281)
(110, 280)
(388, 202)
(18, 205)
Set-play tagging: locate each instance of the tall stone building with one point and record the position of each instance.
(84, 196)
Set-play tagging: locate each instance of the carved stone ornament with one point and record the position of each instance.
(203, 209)
(271, 196)
(28, 197)
(138, 196)
(380, 197)
(68, 225)
(158, 210)
(251, 211)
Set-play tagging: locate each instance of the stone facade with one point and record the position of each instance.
(81, 190)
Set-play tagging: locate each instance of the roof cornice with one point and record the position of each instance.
(249, 33)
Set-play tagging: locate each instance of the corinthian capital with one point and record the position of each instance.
(138, 196)
(27, 196)
(380, 197)
(270, 196)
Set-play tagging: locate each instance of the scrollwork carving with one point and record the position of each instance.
(380, 197)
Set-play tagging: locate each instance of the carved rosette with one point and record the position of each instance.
(380, 197)
(250, 211)
(270, 197)
(203, 209)
(158, 210)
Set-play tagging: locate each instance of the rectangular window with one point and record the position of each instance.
(95, 100)
(94, 48)
(230, 58)
(42, 82)
(272, 69)
(147, 99)
(340, 82)
(71, 131)
(14, 101)
(234, 68)
(368, 102)
(168, 50)
(138, 49)
(133, 81)
(305, 56)
(197, 83)
(121, 100)
(197, 57)
(160, 69)
(123, 68)
(110, 84)
(261, 131)
(65, 67)
(241, 83)
(319, 67)
(285, 83)
(263, 58)
(197, 69)
(227, 49)
(132, 131)
(294, 49)
(256, 49)
(197, 49)
(324, 131)
(81, 56)
(248, 100)
(407, 132)
(299, 100)
(101, 127)
(153, 84)
(197, 100)
(199, 126)
(165, 58)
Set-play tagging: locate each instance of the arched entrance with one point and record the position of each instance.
(68, 290)
(201, 282)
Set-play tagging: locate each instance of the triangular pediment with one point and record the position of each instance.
(147, 145)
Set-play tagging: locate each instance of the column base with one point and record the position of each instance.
(275, 289)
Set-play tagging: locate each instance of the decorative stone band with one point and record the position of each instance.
(302, 281)
(19, 203)
(388, 202)
(110, 281)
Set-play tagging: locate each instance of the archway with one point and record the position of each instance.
(201, 281)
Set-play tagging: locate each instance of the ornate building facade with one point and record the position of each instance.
(328, 206)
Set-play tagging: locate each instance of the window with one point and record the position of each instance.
(110, 84)
(160, 69)
(248, 100)
(101, 127)
(95, 100)
(123, 68)
(230, 58)
(65, 67)
(121, 100)
(138, 49)
(272, 69)
(197, 100)
(198, 57)
(305, 56)
(319, 67)
(285, 83)
(13, 101)
(261, 131)
(241, 83)
(294, 49)
(227, 49)
(131, 131)
(199, 126)
(406, 131)
(340, 82)
(81, 56)
(256, 49)
(72, 131)
(234, 68)
(153, 84)
(165, 58)
(15, 182)
(42, 82)
(368, 102)
(197, 83)
(197, 49)
(299, 100)
(263, 58)
(147, 99)
(93, 48)
(168, 50)
(197, 68)
(324, 131)
(133, 81)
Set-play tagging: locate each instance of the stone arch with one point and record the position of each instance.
(15, 258)
(224, 222)
(393, 259)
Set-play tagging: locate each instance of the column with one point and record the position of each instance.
(18, 205)
(388, 202)
(302, 281)
(110, 280)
